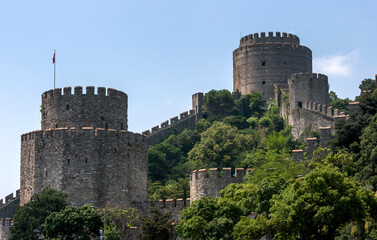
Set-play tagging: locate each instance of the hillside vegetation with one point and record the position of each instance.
(331, 197)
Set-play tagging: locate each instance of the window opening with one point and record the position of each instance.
(263, 63)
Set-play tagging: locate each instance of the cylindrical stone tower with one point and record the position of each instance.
(262, 61)
(84, 150)
(101, 110)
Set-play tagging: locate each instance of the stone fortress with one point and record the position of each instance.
(84, 149)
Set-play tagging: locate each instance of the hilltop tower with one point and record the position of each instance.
(84, 150)
(262, 63)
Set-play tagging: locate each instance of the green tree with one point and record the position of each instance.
(118, 221)
(29, 219)
(74, 223)
(220, 146)
(158, 226)
(318, 206)
(219, 104)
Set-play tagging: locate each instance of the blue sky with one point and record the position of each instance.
(160, 53)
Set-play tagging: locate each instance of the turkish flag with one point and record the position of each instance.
(53, 59)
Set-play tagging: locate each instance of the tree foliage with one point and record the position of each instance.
(158, 226)
(220, 146)
(74, 223)
(29, 219)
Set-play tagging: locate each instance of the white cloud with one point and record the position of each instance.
(336, 65)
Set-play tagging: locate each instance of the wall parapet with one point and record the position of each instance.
(90, 131)
(281, 45)
(216, 173)
(173, 121)
(9, 198)
(271, 37)
(323, 109)
(78, 91)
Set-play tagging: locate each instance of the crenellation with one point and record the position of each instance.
(208, 182)
(101, 91)
(111, 92)
(78, 90)
(174, 120)
(325, 136)
(183, 115)
(312, 145)
(165, 124)
(9, 198)
(298, 155)
(89, 90)
(67, 91)
(57, 92)
(155, 129)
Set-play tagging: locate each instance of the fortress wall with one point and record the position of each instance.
(78, 109)
(176, 125)
(5, 224)
(261, 62)
(209, 182)
(306, 119)
(308, 87)
(91, 165)
(186, 120)
(8, 207)
(169, 205)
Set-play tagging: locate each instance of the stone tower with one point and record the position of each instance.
(263, 62)
(85, 150)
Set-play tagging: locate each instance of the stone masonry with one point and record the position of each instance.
(84, 150)
(262, 61)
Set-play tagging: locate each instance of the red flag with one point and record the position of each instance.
(53, 59)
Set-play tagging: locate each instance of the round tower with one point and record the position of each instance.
(84, 150)
(262, 61)
(101, 110)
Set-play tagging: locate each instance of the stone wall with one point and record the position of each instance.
(169, 205)
(92, 165)
(186, 120)
(5, 224)
(9, 206)
(262, 61)
(209, 182)
(308, 87)
(78, 110)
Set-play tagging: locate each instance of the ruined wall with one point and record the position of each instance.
(92, 165)
(186, 120)
(262, 61)
(5, 224)
(78, 110)
(208, 183)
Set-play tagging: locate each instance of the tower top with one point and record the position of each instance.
(270, 38)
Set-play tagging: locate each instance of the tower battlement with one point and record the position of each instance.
(208, 182)
(262, 38)
(105, 109)
(263, 62)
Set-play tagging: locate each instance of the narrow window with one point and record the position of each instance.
(106, 126)
(285, 63)
(67, 107)
(121, 126)
(300, 104)
(86, 160)
(56, 125)
(263, 82)
(115, 150)
(68, 161)
(46, 173)
(263, 63)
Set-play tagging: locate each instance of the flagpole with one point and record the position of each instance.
(54, 68)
